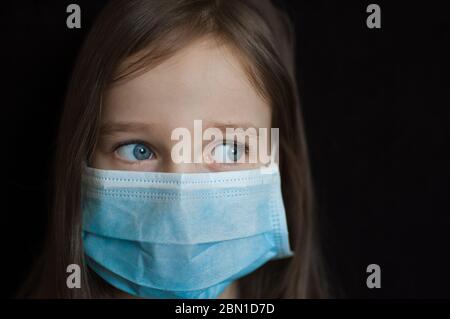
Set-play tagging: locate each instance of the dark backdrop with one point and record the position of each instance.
(376, 107)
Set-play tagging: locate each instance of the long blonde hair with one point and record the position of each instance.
(154, 30)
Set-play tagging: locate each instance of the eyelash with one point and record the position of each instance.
(234, 142)
(246, 147)
(120, 144)
(224, 142)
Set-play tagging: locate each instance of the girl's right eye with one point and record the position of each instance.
(135, 152)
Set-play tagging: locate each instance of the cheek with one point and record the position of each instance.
(99, 160)
(103, 156)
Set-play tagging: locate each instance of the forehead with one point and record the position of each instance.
(202, 81)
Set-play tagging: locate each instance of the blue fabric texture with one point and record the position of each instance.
(177, 235)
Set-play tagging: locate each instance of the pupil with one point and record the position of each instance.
(233, 152)
(141, 152)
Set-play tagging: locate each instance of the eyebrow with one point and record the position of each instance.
(224, 125)
(110, 128)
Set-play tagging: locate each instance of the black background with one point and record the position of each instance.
(376, 107)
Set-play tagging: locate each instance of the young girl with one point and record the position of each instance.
(140, 224)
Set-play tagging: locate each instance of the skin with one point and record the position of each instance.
(204, 81)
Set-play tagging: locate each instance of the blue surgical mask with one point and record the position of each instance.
(172, 235)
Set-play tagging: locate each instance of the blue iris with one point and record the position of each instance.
(228, 152)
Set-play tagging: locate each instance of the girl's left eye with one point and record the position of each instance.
(135, 152)
(228, 152)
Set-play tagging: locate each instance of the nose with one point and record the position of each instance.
(190, 161)
(184, 168)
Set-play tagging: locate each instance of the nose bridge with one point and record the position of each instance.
(173, 167)
(188, 159)
(192, 163)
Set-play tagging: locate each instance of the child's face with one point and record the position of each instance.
(201, 82)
